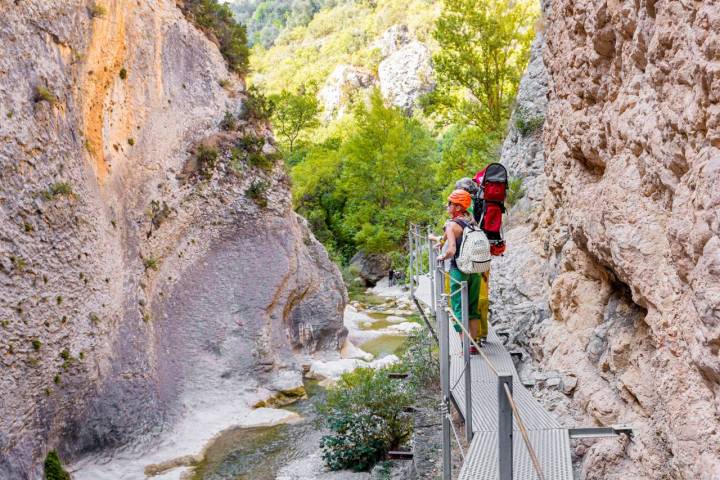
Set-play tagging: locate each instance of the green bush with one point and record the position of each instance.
(256, 192)
(97, 11)
(421, 361)
(150, 264)
(257, 105)
(43, 94)
(228, 122)
(527, 123)
(365, 413)
(60, 189)
(359, 441)
(53, 467)
(206, 159)
(217, 22)
(515, 191)
(261, 160)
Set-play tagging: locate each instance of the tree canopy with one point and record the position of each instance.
(294, 114)
(484, 48)
(363, 190)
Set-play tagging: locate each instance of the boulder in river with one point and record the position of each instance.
(371, 267)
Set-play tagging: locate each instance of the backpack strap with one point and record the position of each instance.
(462, 223)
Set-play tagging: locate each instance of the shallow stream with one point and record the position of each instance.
(259, 453)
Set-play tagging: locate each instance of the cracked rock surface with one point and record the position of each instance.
(619, 252)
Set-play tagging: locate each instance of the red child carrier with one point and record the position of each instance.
(489, 204)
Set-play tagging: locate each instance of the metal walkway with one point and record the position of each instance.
(512, 436)
(550, 441)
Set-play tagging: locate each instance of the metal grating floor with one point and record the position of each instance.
(552, 447)
(550, 440)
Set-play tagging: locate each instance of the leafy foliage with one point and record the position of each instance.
(257, 105)
(217, 22)
(363, 190)
(421, 361)
(515, 191)
(484, 47)
(527, 123)
(53, 467)
(59, 189)
(206, 160)
(256, 192)
(294, 114)
(464, 150)
(365, 414)
(340, 32)
(43, 94)
(266, 19)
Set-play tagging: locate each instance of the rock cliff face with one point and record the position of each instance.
(404, 74)
(624, 248)
(144, 250)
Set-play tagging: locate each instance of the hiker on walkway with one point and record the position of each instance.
(457, 208)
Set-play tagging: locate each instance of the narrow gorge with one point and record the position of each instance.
(157, 284)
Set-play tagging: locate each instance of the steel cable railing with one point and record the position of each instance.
(417, 243)
(513, 406)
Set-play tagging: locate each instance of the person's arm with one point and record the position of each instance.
(450, 233)
(437, 241)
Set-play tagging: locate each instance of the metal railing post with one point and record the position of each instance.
(505, 429)
(433, 267)
(465, 305)
(418, 253)
(442, 326)
(411, 251)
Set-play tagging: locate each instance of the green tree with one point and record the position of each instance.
(484, 47)
(294, 114)
(464, 150)
(361, 188)
(387, 175)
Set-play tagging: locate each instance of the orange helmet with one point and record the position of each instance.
(461, 197)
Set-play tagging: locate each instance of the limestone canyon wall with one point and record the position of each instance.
(624, 247)
(133, 266)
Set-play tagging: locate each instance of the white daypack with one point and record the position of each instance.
(474, 256)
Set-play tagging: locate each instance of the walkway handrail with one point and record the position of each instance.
(418, 243)
(516, 413)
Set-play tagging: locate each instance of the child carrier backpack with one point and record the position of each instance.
(489, 204)
(474, 255)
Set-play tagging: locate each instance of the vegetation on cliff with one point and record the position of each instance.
(218, 23)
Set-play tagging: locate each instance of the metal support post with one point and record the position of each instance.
(465, 304)
(433, 267)
(429, 249)
(418, 254)
(410, 264)
(505, 429)
(442, 325)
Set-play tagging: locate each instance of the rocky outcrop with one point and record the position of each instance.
(406, 74)
(147, 246)
(625, 243)
(344, 82)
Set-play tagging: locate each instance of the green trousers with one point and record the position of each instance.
(478, 303)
